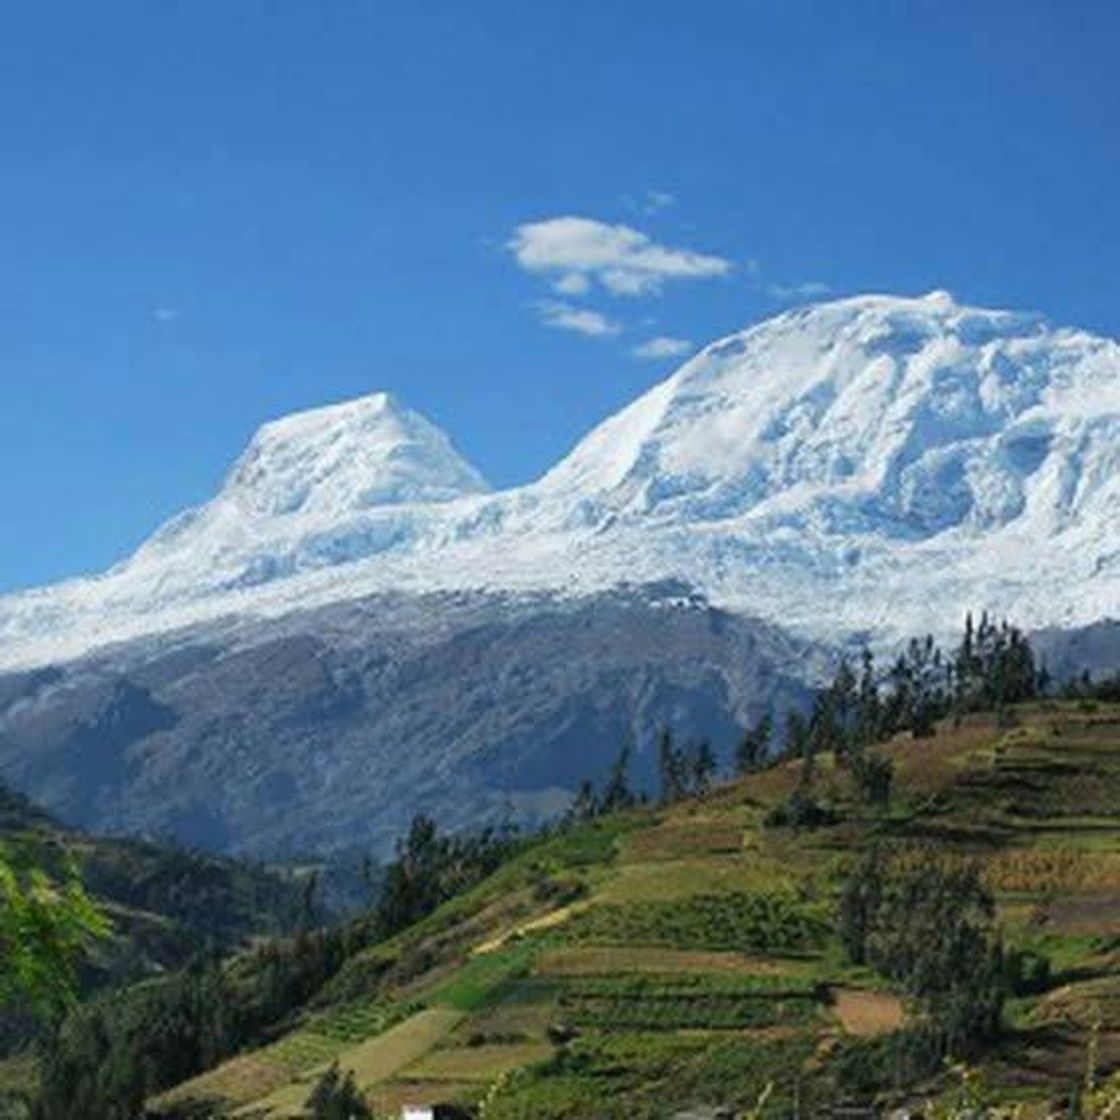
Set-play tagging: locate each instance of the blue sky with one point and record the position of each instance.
(213, 213)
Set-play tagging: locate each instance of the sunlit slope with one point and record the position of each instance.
(689, 954)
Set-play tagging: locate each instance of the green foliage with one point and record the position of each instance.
(648, 1075)
(478, 982)
(431, 867)
(45, 926)
(108, 1055)
(672, 766)
(336, 1097)
(929, 925)
(993, 667)
(801, 810)
(755, 744)
(779, 921)
(874, 775)
(617, 794)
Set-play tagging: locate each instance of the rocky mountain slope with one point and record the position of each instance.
(328, 729)
(875, 464)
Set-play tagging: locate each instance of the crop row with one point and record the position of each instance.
(774, 922)
(667, 1013)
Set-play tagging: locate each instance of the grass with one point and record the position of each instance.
(476, 1063)
(643, 1075)
(479, 982)
(669, 880)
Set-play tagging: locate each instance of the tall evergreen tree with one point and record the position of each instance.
(617, 793)
(754, 745)
(671, 767)
(703, 767)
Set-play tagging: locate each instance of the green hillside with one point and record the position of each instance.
(166, 904)
(668, 957)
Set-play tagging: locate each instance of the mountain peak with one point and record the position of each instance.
(341, 458)
(871, 462)
(900, 417)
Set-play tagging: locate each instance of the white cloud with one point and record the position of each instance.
(662, 347)
(657, 200)
(807, 290)
(574, 251)
(582, 320)
(574, 284)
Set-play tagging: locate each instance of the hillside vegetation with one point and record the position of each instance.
(165, 903)
(701, 952)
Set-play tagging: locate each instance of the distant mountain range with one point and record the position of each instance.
(357, 626)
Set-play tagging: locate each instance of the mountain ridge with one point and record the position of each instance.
(901, 451)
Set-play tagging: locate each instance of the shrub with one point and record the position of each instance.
(336, 1097)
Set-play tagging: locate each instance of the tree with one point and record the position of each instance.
(755, 745)
(617, 793)
(843, 708)
(336, 1097)
(45, 926)
(671, 766)
(930, 925)
(993, 666)
(799, 744)
(585, 804)
(874, 775)
(703, 767)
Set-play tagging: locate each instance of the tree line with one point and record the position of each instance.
(864, 704)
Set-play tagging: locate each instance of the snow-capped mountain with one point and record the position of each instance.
(872, 465)
(356, 628)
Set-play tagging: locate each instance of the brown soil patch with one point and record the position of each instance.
(867, 1014)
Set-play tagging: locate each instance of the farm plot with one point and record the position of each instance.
(767, 922)
(592, 960)
(476, 1063)
(669, 880)
(235, 1082)
(374, 1060)
(682, 1002)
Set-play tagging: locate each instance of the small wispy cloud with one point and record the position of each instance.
(663, 346)
(575, 252)
(581, 320)
(165, 314)
(574, 284)
(810, 289)
(657, 200)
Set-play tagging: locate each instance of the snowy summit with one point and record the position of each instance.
(870, 465)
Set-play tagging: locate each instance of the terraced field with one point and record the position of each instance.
(700, 959)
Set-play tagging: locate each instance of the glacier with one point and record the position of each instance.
(865, 468)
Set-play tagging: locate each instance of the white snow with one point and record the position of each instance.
(872, 465)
